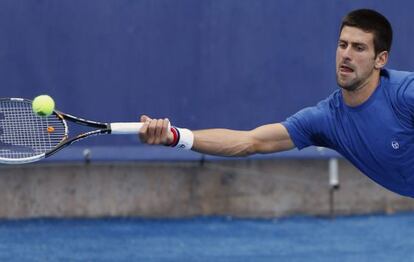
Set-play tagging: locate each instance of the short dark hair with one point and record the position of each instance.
(371, 21)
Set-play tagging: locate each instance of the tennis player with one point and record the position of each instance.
(369, 119)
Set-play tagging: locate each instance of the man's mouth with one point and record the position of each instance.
(345, 69)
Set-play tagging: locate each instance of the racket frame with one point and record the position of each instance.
(102, 128)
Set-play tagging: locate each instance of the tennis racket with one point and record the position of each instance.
(26, 137)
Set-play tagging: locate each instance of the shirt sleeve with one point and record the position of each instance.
(305, 128)
(408, 94)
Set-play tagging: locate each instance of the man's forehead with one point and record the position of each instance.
(356, 35)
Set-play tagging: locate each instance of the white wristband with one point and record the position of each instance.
(186, 138)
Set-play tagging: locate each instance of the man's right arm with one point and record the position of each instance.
(223, 142)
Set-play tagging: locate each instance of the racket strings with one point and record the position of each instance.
(24, 134)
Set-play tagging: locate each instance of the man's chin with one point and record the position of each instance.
(348, 87)
(344, 84)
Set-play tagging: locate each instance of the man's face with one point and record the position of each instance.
(355, 58)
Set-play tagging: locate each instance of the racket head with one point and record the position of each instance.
(26, 137)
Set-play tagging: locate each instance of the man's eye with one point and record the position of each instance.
(359, 48)
(342, 45)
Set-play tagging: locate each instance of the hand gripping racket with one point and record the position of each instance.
(26, 137)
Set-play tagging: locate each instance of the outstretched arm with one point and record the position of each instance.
(264, 139)
(224, 142)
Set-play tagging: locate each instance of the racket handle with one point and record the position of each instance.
(125, 128)
(128, 128)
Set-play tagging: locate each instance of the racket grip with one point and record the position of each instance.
(125, 128)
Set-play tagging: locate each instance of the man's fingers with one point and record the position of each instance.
(165, 131)
(143, 132)
(154, 131)
(158, 131)
(145, 118)
(151, 131)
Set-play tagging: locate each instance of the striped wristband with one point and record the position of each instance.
(182, 138)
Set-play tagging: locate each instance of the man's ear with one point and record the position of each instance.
(381, 60)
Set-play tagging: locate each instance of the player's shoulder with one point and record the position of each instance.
(395, 77)
(400, 90)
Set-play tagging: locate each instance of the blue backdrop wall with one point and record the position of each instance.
(234, 63)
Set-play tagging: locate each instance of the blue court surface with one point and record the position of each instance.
(356, 238)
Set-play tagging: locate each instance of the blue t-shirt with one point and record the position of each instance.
(376, 136)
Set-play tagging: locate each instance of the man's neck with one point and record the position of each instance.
(362, 93)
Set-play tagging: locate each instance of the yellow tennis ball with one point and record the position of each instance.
(43, 105)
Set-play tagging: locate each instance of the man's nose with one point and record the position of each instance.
(346, 53)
